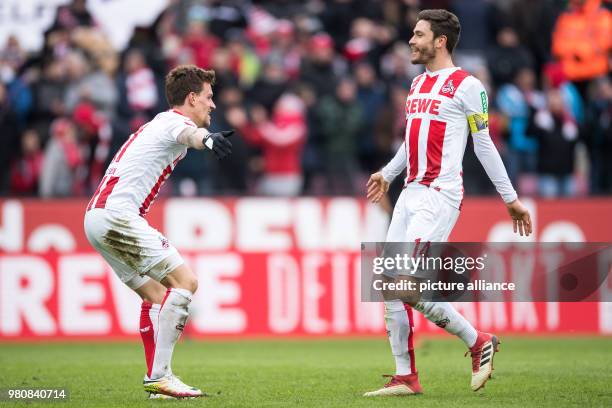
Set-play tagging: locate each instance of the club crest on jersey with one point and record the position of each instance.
(448, 88)
(164, 242)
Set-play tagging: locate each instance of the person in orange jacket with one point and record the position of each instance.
(581, 41)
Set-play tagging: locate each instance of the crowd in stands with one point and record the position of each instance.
(316, 90)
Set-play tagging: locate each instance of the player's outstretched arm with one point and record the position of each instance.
(200, 139)
(521, 220)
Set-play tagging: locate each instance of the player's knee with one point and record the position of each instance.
(155, 296)
(411, 298)
(392, 306)
(188, 282)
(192, 284)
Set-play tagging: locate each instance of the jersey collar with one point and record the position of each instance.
(178, 111)
(441, 71)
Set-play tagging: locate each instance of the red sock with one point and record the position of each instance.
(148, 320)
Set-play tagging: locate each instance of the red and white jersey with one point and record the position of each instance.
(144, 162)
(437, 128)
(442, 108)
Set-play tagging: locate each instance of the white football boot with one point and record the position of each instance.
(171, 386)
(482, 354)
(398, 385)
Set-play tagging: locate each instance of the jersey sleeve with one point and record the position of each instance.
(476, 108)
(175, 125)
(396, 165)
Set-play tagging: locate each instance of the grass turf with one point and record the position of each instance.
(540, 372)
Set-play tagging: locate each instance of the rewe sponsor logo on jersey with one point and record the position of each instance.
(423, 105)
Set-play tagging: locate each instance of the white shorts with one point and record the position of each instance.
(134, 249)
(421, 213)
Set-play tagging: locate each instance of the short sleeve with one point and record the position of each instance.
(476, 106)
(176, 124)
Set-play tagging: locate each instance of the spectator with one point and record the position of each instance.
(516, 101)
(371, 96)
(507, 57)
(598, 131)
(317, 68)
(72, 15)
(313, 158)
(49, 94)
(555, 78)
(534, 22)
(557, 134)
(478, 18)
(231, 175)
(272, 83)
(281, 140)
(138, 89)
(582, 42)
(341, 120)
(86, 83)
(11, 59)
(224, 75)
(25, 171)
(284, 46)
(396, 67)
(61, 162)
(9, 139)
(99, 50)
(200, 42)
(244, 61)
(95, 139)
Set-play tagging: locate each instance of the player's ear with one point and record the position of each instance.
(191, 97)
(441, 41)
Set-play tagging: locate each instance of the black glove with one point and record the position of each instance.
(218, 143)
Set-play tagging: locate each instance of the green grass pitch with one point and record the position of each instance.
(538, 372)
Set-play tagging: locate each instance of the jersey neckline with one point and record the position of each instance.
(442, 70)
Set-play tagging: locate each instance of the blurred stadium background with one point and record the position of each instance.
(274, 231)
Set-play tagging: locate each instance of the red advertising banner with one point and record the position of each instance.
(266, 267)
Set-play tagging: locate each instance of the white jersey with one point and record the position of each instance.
(442, 108)
(144, 162)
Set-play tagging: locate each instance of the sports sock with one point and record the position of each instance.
(444, 315)
(148, 328)
(173, 315)
(398, 320)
